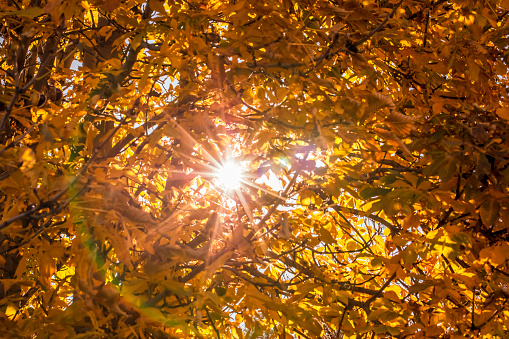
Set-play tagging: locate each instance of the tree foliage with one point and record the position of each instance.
(374, 140)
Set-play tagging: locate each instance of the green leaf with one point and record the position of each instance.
(376, 262)
(31, 12)
(371, 192)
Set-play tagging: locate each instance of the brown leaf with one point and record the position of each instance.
(110, 5)
(489, 211)
(400, 124)
(376, 101)
(393, 140)
(134, 214)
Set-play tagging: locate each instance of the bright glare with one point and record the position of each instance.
(229, 176)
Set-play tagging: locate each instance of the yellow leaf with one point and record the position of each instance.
(503, 112)
(157, 6)
(47, 267)
(28, 159)
(307, 197)
(11, 311)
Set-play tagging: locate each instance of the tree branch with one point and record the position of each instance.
(379, 27)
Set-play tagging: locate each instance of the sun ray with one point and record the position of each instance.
(244, 204)
(215, 230)
(186, 134)
(254, 185)
(247, 210)
(198, 161)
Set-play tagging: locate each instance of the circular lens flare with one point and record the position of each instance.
(229, 176)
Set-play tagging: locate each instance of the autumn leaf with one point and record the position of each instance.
(489, 211)
(365, 143)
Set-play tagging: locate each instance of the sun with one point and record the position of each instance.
(230, 175)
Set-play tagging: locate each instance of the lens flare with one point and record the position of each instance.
(229, 176)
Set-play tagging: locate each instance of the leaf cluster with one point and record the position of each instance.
(374, 142)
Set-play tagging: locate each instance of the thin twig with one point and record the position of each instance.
(17, 92)
(380, 291)
(18, 139)
(341, 322)
(49, 203)
(426, 26)
(379, 27)
(278, 201)
(212, 322)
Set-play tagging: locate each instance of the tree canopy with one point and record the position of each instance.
(368, 139)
